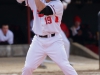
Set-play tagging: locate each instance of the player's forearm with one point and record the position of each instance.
(40, 6)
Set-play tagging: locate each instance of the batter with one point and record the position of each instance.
(48, 40)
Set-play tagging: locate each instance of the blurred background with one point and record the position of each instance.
(79, 23)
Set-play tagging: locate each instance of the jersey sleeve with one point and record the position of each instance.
(46, 11)
(56, 7)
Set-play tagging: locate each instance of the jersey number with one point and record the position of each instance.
(49, 20)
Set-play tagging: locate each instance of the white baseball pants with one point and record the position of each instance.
(54, 48)
(66, 43)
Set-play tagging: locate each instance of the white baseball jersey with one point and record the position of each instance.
(44, 25)
(8, 37)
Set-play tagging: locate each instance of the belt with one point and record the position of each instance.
(46, 36)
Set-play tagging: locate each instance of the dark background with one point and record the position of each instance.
(15, 15)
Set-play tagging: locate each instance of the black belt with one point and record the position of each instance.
(46, 36)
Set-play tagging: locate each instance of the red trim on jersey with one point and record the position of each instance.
(56, 19)
(40, 15)
(53, 8)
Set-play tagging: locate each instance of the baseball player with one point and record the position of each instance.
(47, 41)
